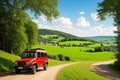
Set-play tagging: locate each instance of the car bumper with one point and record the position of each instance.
(23, 67)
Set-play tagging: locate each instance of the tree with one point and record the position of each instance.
(14, 22)
(111, 8)
(32, 33)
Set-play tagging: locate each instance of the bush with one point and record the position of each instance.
(60, 57)
(67, 58)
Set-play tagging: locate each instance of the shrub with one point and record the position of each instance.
(67, 58)
(60, 57)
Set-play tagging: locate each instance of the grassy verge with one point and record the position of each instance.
(56, 62)
(7, 62)
(79, 71)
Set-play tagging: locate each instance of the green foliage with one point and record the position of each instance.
(60, 57)
(17, 31)
(67, 58)
(32, 33)
(111, 8)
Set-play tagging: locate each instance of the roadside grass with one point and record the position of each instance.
(56, 62)
(7, 61)
(79, 71)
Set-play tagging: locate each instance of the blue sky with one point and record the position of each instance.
(78, 17)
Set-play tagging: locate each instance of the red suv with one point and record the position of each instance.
(32, 60)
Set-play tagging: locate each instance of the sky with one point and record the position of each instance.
(78, 17)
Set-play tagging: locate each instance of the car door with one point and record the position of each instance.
(42, 58)
(39, 60)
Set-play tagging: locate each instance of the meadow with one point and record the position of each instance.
(80, 71)
(77, 53)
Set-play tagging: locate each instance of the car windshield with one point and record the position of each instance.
(28, 55)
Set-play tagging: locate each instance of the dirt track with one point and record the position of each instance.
(49, 74)
(103, 69)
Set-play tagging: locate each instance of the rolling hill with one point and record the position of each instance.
(46, 35)
(102, 39)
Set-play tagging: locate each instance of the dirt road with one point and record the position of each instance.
(103, 69)
(49, 74)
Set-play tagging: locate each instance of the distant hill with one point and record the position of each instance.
(103, 39)
(47, 35)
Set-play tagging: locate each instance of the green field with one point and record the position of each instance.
(75, 42)
(77, 53)
(82, 70)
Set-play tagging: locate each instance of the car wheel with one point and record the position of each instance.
(17, 71)
(33, 69)
(45, 66)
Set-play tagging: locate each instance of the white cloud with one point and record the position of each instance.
(101, 30)
(82, 22)
(63, 22)
(82, 12)
(83, 27)
(95, 16)
(43, 18)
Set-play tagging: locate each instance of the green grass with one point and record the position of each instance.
(77, 53)
(7, 61)
(79, 71)
(74, 42)
(48, 36)
(82, 70)
(56, 62)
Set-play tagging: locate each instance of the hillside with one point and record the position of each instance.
(46, 35)
(103, 39)
(7, 61)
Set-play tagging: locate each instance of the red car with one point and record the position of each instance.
(32, 60)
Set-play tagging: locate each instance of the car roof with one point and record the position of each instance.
(36, 50)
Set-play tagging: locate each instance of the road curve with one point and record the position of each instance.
(49, 74)
(103, 69)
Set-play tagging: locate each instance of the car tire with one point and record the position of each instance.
(45, 66)
(17, 71)
(34, 69)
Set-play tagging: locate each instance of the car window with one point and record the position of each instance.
(43, 54)
(28, 55)
(38, 54)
